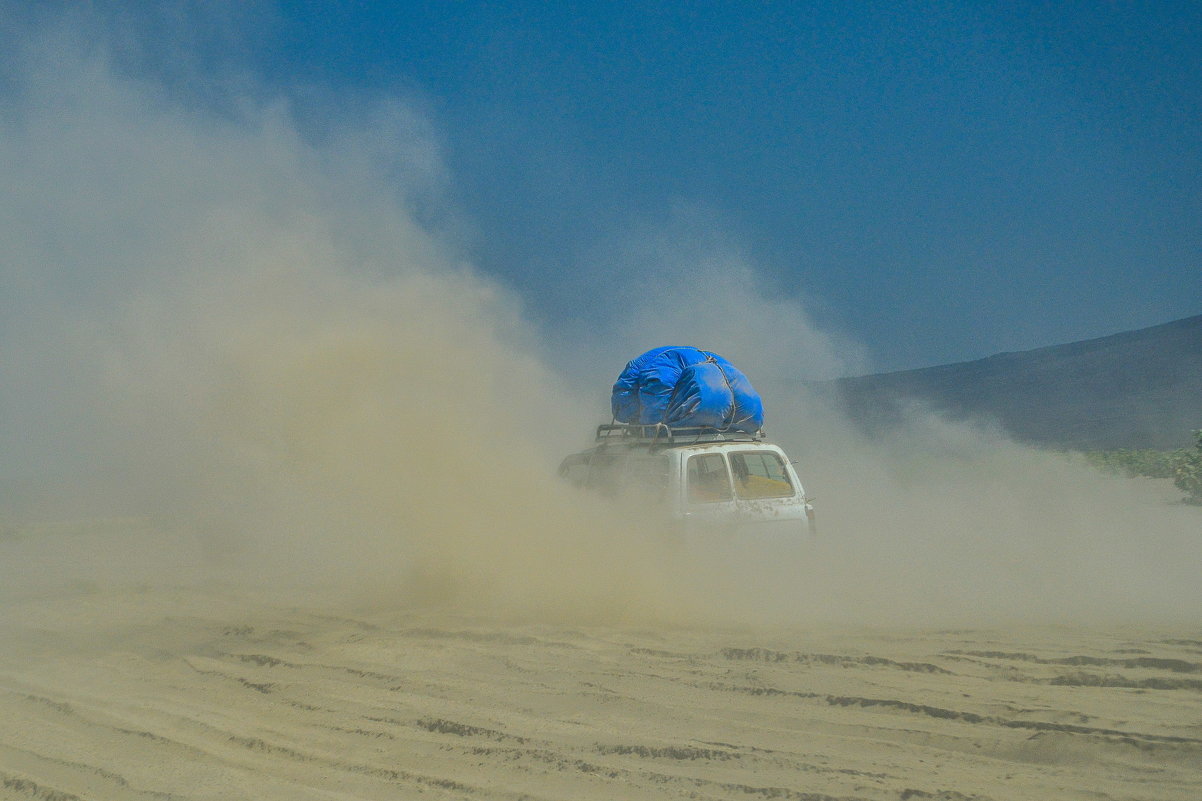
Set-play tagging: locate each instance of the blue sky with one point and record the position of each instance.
(936, 181)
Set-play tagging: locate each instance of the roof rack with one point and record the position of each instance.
(661, 434)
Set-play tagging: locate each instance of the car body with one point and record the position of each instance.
(697, 479)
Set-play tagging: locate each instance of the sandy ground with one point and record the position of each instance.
(145, 692)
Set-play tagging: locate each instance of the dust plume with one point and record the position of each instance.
(937, 522)
(245, 342)
(234, 353)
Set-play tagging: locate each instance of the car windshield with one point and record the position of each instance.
(760, 474)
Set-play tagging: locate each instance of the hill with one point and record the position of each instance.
(1137, 389)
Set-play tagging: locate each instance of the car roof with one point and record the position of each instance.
(761, 445)
(646, 449)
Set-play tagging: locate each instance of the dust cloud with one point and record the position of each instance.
(938, 522)
(246, 343)
(232, 355)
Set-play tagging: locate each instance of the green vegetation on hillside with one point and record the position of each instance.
(1146, 462)
(1188, 476)
(1183, 465)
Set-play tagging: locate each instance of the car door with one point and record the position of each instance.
(767, 496)
(709, 499)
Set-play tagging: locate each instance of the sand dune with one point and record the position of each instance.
(208, 693)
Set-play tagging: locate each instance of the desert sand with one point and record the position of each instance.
(141, 690)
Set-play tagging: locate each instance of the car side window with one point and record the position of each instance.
(646, 478)
(760, 474)
(708, 478)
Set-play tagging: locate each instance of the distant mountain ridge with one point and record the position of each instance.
(1136, 389)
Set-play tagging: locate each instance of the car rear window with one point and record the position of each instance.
(760, 474)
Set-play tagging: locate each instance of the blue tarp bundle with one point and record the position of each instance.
(685, 387)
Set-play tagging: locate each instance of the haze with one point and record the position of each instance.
(249, 341)
(281, 413)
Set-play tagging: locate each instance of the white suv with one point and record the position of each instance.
(701, 479)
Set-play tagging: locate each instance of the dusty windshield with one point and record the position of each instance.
(760, 474)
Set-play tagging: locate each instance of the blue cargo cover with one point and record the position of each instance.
(684, 387)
